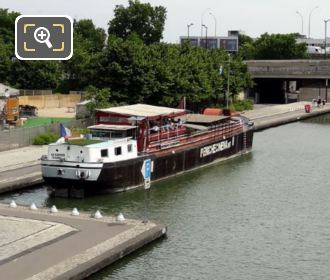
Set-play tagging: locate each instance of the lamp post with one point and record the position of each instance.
(325, 37)
(302, 22)
(215, 23)
(202, 18)
(205, 34)
(188, 26)
(309, 21)
(228, 84)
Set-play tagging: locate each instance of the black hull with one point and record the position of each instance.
(125, 175)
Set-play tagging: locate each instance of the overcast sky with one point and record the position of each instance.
(254, 17)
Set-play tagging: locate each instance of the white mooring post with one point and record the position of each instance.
(12, 204)
(75, 212)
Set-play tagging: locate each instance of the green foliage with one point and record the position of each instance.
(7, 27)
(279, 46)
(164, 73)
(5, 62)
(88, 42)
(244, 39)
(45, 138)
(132, 67)
(272, 46)
(79, 130)
(93, 37)
(34, 74)
(141, 18)
(242, 105)
(83, 142)
(100, 98)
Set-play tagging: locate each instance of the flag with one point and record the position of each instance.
(64, 131)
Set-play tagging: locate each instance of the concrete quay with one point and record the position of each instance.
(275, 115)
(38, 245)
(20, 168)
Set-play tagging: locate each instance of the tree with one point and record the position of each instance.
(163, 73)
(7, 42)
(35, 74)
(99, 98)
(7, 26)
(88, 42)
(243, 39)
(279, 46)
(5, 61)
(143, 19)
(94, 37)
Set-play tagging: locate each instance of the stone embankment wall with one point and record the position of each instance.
(51, 101)
(308, 93)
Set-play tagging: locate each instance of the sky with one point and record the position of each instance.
(253, 17)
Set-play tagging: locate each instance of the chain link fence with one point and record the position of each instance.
(21, 137)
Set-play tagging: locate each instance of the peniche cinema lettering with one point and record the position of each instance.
(217, 147)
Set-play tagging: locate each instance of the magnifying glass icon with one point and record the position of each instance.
(41, 35)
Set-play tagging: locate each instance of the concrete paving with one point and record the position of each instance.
(270, 116)
(21, 157)
(38, 244)
(20, 168)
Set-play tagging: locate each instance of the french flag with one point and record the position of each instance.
(64, 131)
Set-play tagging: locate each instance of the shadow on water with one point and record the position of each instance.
(162, 193)
(166, 197)
(265, 215)
(323, 119)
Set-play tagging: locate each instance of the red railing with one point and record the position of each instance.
(169, 139)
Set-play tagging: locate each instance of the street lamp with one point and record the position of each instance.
(302, 22)
(325, 56)
(205, 34)
(215, 23)
(309, 21)
(228, 84)
(221, 68)
(202, 17)
(325, 37)
(188, 26)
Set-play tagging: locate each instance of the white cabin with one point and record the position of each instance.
(105, 144)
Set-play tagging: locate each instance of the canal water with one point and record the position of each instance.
(265, 215)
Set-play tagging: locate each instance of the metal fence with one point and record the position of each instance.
(34, 92)
(21, 137)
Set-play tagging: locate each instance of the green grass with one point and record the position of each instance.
(83, 142)
(37, 121)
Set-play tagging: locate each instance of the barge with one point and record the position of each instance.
(110, 158)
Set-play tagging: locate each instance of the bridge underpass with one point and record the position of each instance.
(285, 81)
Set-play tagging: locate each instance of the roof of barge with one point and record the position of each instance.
(143, 110)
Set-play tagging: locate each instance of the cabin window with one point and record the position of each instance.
(129, 148)
(118, 151)
(100, 134)
(104, 153)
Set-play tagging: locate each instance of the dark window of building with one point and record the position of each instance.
(104, 153)
(118, 151)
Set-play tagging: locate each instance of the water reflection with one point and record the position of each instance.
(261, 216)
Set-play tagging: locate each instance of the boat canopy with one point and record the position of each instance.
(144, 110)
(111, 127)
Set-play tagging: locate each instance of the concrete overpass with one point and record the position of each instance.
(283, 81)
